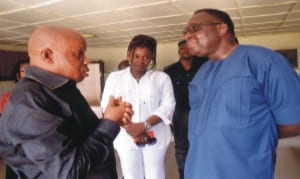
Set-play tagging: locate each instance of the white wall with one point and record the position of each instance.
(167, 52)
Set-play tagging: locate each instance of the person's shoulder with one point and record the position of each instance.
(118, 72)
(256, 50)
(27, 87)
(117, 76)
(27, 84)
(171, 67)
(261, 56)
(261, 53)
(159, 75)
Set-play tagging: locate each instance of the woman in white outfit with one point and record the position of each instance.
(150, 92)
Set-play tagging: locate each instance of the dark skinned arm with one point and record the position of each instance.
(289, 131)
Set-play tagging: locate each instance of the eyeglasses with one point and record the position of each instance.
(196, 27)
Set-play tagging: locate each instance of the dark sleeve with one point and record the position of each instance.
(35, 134)
(168, 70)
(95, 151)
(57, 156)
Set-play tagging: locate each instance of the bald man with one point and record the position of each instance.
(48, 129)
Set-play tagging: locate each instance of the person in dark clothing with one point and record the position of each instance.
(18, 72)
(48, 130)
(181, 73)
(123, 64)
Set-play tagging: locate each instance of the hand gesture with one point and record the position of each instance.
(118, 111)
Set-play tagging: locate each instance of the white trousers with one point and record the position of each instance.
(143, 163)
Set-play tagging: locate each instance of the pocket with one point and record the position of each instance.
(232, 103)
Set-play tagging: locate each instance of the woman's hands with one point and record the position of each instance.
(134, 129)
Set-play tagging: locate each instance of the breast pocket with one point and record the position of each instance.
(232, 103)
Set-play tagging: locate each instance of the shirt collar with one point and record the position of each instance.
(148, 72)
(46, 78)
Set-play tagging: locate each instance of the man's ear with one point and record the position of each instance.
(222, 29)
(47, 55)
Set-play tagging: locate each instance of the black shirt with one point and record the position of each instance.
(180, 80)
(49, 131)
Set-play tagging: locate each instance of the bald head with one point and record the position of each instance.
(49, 37)
(51, 47)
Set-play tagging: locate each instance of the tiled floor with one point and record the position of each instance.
(287, 167)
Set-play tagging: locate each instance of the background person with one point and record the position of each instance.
(242, 101)
(48, 129)
(18, 72)
(151, 95)
(123, 64)
(181, 73)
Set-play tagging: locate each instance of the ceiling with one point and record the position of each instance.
(107, 23)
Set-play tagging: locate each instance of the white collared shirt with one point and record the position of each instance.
(152, 95)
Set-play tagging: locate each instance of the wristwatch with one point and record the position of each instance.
(147, 125)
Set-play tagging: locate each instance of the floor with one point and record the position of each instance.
(288, 159)
(287, 167)
(171, 167)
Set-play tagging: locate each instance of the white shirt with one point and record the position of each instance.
(152, 95)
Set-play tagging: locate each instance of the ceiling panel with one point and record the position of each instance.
(29, 16)
(111, 17)
(7, 23)
(153, 11)
(175, 19)
(66, 22)
(75, 7)
(294, 16)
(264, 18)
(258, 3)
(8, 6)
(254, 11)
(115, 22)
(128, 4)
(192, 5)
(24, 29)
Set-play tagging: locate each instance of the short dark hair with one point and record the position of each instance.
(146, 41)
(181, 42)
(222, 16)
(16, 69)
(123, 64)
